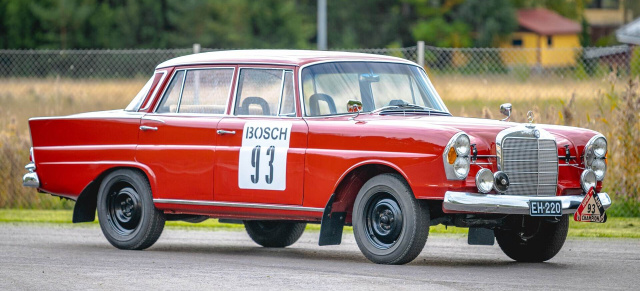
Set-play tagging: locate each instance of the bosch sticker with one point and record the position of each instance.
(263, 155)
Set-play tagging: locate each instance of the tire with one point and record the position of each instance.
(389, 224)
(128, 218)
(274, 234)
(537, 241)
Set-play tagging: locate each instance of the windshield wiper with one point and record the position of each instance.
(402, 107)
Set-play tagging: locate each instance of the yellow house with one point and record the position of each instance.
(544, 38)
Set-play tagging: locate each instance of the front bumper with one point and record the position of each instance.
(509, 204)
(31, 179)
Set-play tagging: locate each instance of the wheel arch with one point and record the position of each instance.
(85, 207)
(354, 178)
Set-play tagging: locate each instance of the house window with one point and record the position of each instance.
(549, 41)
(516, 42)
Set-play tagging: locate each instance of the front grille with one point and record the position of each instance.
(531, 164)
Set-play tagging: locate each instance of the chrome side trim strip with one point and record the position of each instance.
(509, 204)
(238, 204)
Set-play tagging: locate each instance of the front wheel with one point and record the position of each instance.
(274, 234)
(535, 240)
(127, 216)
(389, 224)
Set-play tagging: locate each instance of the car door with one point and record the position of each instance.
(177, 140)
(261, 145)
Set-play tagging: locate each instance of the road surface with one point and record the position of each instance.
(55, 257)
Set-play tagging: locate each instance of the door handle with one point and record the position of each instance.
(223, 132)
(145, 128)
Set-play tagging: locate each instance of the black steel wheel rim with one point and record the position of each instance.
(384, 220)
(124, 207)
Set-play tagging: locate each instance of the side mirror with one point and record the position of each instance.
(506, 110)
(354, 106)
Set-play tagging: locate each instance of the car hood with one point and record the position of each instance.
(483, 132)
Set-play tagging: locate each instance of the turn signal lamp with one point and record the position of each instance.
(451, 156)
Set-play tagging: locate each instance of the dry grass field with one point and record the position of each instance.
(609, 105)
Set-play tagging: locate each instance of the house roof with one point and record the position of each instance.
(278, 57)
(629, 33)
(546, 22)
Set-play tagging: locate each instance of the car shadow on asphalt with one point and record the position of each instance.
(343, 256)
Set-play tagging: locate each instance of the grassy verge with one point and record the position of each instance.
(614, 228)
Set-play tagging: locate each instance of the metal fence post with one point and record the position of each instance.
(420, 53)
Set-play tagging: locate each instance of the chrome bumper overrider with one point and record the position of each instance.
(31, 179)
(509, 204)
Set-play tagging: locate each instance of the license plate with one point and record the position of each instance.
(545, 208)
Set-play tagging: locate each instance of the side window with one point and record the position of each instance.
(288, 103)
(206, 91)
(198, 91)
(265, 92)
(172, 95)
(144, 92)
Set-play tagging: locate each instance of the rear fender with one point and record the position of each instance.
(86, 204)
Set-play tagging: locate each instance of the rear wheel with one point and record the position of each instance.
(127, 216)
(274, 234)
(536, 240)
(389, 224)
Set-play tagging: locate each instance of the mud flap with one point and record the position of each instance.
(331, 225)
(84, 209)
(481, 236)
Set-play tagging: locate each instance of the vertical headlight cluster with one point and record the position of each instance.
(456, 157)
(594, 156)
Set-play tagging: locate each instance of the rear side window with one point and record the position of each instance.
(204, 91)
(144, 92)
(267, 92)
(172, 95)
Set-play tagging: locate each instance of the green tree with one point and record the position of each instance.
(240, 24)
(439, 32)
(573, 9)
(491, 20)
(457, 23)
(63, 21)
(19, 28)
(366, 23)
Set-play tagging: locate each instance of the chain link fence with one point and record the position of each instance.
(566, 86)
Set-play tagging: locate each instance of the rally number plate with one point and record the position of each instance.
(545, 208)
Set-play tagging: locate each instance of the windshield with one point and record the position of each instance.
(328, 88)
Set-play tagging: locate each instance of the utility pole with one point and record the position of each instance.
(322, 25)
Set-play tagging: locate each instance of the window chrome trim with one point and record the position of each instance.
(154, 95)
(164, 90)
(301, 68)
(235, 92)
(238, 204)
(184, 78)
(281, 92)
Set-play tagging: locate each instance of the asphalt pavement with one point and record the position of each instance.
(78, 257)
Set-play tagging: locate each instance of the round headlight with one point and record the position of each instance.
(599, 167)
(462, 145)
(599, 147)
(461, 167)
(587, 180)
(484, 180)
